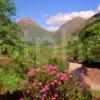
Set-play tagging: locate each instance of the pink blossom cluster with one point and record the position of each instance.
(64, 77)
(55, 82)
(31, 72)
(51, 69)
(21, 98)
(36, 84)
(47, 88)
(54, 97)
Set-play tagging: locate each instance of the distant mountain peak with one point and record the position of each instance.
(31, 30)
(75, 20)
(70, 27)
(26, 20)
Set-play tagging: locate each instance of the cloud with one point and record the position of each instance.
(64, 17)
(52, 29)
(98, 8)
(61, 18)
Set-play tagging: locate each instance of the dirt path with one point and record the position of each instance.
(89, 75)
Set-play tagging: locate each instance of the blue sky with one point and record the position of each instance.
(50, 14)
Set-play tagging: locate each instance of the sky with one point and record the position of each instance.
(51, 14)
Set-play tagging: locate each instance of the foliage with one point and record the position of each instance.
(62, 65)
(72, 48)
(9, 81)
(7, 9)
(47, 83)
(16, 53)
(86, 48)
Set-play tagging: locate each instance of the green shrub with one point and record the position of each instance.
(62, 64)
(85, 46)
(48, 83)
(9, 81)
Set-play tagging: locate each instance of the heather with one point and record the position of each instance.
(48, 83)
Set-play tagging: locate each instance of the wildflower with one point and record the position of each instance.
(42, 98)
(54, 82)
(36, 84)
(53, 73)
(63, 77)
(56, 95)
(46, 87)
(51, 67)
(28, 91)
(53, 98)
(21, 98)
(32, 72)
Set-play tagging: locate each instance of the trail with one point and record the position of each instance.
(89, 75)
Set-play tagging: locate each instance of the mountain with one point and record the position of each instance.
(69, 27)
(32, 32)
(95, 18)
(84, 46)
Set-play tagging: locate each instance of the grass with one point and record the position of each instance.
(48, 52)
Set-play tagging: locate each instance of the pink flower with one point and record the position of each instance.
(21, 98)
(51, 67)
(64, 77)
(36, 84)
(42, 98)
(53, 98)
(43, 90)
(52, 83)
(46, 87)
(53, 72)
(31, 72)
(56, 95)
(28, 91)
(55, 81)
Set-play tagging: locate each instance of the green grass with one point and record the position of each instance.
(51, 51)
(45, 53)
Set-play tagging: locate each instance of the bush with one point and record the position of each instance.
(85, 46)
(9, 81)
(62, 65)
(47, 83)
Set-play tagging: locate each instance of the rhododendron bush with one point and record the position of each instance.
(47, 83)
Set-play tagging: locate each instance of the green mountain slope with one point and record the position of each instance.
(33, 33)
(69, 28)
(85, 45)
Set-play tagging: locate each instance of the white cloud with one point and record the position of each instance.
(98, 8)
(61, 18)
(52, 29)
(64, 17)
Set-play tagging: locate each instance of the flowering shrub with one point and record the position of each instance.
(47, 83)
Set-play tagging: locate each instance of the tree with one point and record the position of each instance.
(7, 10)
(85, 45)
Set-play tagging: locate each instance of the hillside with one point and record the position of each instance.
(85, 45)
(69, 27)
(32, 31)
